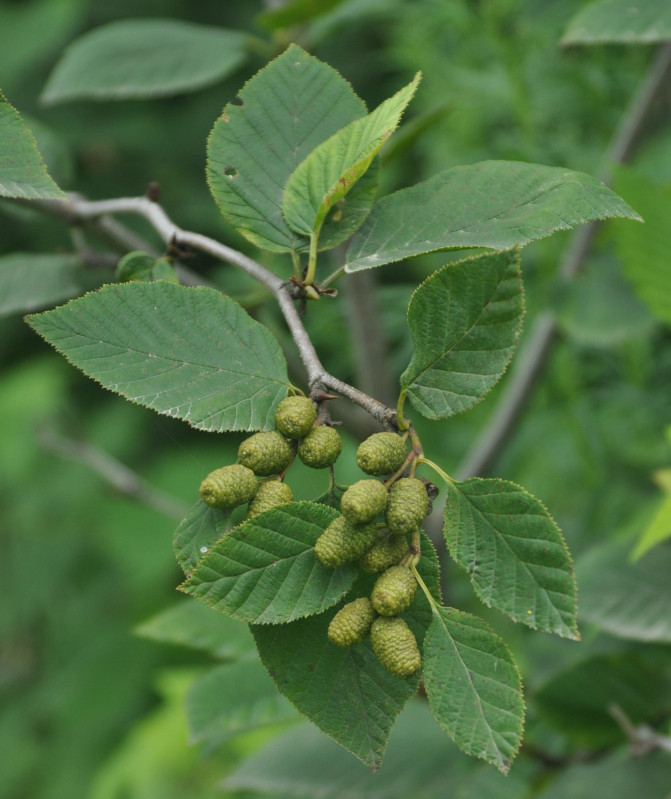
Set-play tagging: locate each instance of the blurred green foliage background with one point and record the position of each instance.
(87, 707)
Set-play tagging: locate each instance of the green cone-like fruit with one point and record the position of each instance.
(320, 447)
(269, 495)
(363, 501)
(343, 542)
(395, 646)
(407, 506)
(384, 553)
(381, 453)
(265, 453)
(352, 623)
(228, 487)
(295, 416)
(394, 591)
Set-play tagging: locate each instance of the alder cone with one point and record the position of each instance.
(384, 553)
(228, 487)
(268, 496)
(265, 453)
(352, 623)
(295, 416)
(363, 501)
(381, 453)
(394, 591)
(395, 646)
(320, 447)
(407, 506)
(343, 542)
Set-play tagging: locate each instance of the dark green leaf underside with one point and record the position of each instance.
(465, 321)
(345, 692)
(199, 530)
(514, 553)
(190, 353)
(496, 204)
(265, 570)
(141, 58)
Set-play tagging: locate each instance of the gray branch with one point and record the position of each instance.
(77, 210)
(544, 332)
(115, 473)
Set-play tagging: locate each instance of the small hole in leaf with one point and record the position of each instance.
(230, 171)
(237, 101)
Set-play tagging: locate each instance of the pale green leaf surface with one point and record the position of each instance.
(628, 600)
(345, 692)
(200, 529)
(497, 204)
(332, 168)
(420, 763)
(619, 775)
(658, 530)
(514, 553)
(192, 624)
(190, 353)
(265, 570)
(140, 58)
(23, 173)
(474, 687)
(232, 699)
(286, 110)
(621, 21)
(464, 321)
(645, 250)
(31, 281)
(577, 700)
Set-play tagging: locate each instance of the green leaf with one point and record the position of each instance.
(140, 58)
(345, 692)
(190, 353)
(332, 168)
(23, 173)
(620, 21)
(465, 321)
(32, 281)
(497, 204)
(657, 531)
(420, 763)
(143, 268)
(286, 110)
(190, 623)
(199, 530)
(577, 701)
(232, 699)
(474, 687)
(295, 12)
(644, 250)
(619, 775)
(514, 553)
(265, 571)
(629, 600)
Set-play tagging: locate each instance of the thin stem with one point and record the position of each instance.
(427, 593)
(331, 279)
(544, 333)
(312, 259)
(426, 462)
(79, 211)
